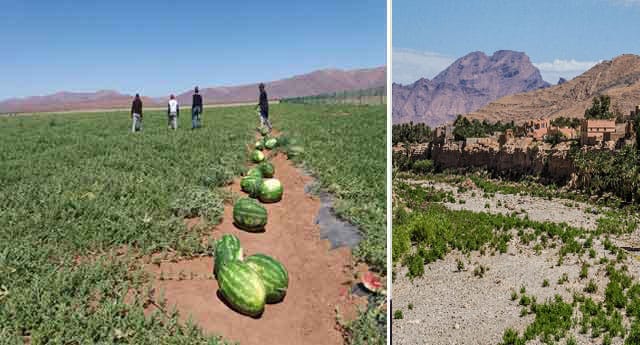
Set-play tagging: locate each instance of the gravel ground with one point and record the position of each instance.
(457, 307)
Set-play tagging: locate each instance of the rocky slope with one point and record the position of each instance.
(619, 78)
(468, 84)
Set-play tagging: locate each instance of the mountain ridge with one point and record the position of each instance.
(467, 84)
(312, 83)
(619, 78)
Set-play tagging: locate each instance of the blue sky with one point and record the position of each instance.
(562, 37)
(157, 47)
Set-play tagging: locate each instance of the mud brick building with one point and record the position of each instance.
(593, 132)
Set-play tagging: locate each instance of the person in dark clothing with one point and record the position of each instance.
(136, 114)
(196, 109)
(263, 105)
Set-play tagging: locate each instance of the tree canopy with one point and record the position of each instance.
(599, 109)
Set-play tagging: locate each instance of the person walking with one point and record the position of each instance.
(136, 114)
(263, 105)
(196, 109)
(173, 111)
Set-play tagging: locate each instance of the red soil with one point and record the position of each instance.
(320, 279)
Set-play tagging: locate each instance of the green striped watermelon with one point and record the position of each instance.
(267, 169)
(249, 215)
(257, 156)
(294, 151)
(260, 145)
(251, 185)
(270, 190)
(255, 171)
(227, 249)
(274, 276)
(270, 143)
(242, 288)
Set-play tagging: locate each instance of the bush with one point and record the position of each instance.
(423, 166)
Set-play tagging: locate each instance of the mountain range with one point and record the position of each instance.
(317, 82)
(618, 78)
(466, 85)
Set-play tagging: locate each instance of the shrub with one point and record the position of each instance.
(422, 166)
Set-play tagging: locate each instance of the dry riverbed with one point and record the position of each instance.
(448, 305)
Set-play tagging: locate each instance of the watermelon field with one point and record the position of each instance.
(91, 213)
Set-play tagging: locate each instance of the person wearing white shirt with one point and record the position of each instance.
(173, 111)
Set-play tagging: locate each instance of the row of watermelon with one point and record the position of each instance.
(260, 184)
(247, 284)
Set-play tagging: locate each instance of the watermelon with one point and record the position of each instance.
(251, 185)
(274, 276)
(242, 288)
(257, 156)
(270, 190)
(294, 151)
(249, 215)
(227, 249)
(254, 172)
(264, 131)
(270, 143)
(260, 145)
(371, 282)
(267, 169)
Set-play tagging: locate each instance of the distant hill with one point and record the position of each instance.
(62, 101)
(315, 83)
(619, 78)
(468, 84)
(318, 82)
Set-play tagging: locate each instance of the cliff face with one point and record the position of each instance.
(618, 78)
(468, 84)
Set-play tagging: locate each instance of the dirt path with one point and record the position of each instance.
(320, 278)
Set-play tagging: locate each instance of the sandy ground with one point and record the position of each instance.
(457, 307)
(320, 278)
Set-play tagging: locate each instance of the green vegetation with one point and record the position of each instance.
(475, 129)
(411, 133)
(80, 186)
(422, 166)
(599, 108)
(435, 230)
(553, 320)
(617, 172)
(563, 279)
(357, 180)
(370, 326)
(571, 122)
(76, 188)
(373, 96)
